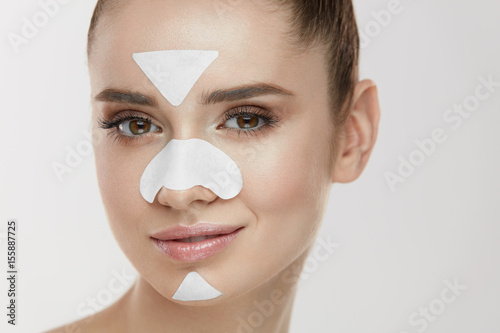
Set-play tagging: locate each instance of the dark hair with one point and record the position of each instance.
(328, 22)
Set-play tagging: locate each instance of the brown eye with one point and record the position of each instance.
(245, 122)
(137, 127)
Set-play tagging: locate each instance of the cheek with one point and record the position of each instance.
(119, 176)
(287, 186)
(289, 179)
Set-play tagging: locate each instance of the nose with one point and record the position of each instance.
(184, 199)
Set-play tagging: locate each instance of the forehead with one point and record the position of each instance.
(250, 35)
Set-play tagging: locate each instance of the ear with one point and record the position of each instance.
(359, 133)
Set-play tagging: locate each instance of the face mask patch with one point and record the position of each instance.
(195, 288)
(183, 164)
(174, 72)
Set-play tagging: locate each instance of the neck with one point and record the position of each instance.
(267, 309)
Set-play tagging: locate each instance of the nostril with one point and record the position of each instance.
(191, 163)
(183, 199)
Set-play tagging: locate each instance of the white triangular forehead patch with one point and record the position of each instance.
(195, 288)
(174, 72)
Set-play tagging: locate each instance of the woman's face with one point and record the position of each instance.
(284, 158)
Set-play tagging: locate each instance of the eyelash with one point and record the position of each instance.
(270, 119)
(112, 126)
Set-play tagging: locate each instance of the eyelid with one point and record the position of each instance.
(271, 119)
(125, 115)
(251, 110)
(111, 125)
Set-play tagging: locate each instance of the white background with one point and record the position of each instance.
(397, 248)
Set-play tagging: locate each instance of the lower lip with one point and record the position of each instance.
(183, 251)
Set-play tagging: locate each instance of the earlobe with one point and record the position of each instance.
(358, 134)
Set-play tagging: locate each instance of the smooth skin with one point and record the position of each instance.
(288, 168)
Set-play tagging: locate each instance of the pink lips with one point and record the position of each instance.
(197, 242)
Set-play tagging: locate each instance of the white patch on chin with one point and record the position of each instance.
(195, 288)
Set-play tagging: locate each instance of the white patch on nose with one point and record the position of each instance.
(183, 164)
(174, 72)
(195, 288)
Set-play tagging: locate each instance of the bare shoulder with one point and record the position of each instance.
(108, 320)
(80, 326)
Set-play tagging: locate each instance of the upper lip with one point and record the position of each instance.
(201, 229)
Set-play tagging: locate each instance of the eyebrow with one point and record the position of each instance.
(126, 96)
(243, 92)
(217, 96)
